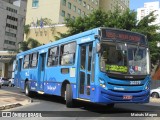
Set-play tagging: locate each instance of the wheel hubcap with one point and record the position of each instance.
(26, 90)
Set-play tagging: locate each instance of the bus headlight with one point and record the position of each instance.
(147, 86)
(102, 83)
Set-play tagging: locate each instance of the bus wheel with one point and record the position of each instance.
(27, 90)
(69, 100)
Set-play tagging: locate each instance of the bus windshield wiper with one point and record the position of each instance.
(137, 50)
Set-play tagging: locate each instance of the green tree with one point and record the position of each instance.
(27, 30)
(29, 44)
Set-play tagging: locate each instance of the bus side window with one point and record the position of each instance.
(53, 56)
(34, 60)
(68, 53)
(15, 68)
(26, 61)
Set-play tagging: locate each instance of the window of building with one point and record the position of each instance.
(11, 10)
(73, 18)
(10, 34)
(92, 9)
(88, 7)
(53, 56)
(96, 2)
(35, 3)
(69, 5)
(74, 8)
(80, 1)
(111, 6)
(79, 11)
(26, 62)
(68, 15)
(12, 18)
(34, 60)
(84, 4)
(64, 2)
(9, 42)
(67, 53)
(11, 26)
(83, 13)
(63, 13)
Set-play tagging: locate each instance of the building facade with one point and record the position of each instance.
(111, 5)
(12, 22)
(56, 10)
(148, 8)
(46, 34)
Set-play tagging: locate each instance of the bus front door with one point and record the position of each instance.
(85, 71)
(41, 75)
(17, 72)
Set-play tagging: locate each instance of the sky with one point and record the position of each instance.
(134, 4)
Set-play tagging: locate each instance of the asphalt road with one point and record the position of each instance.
(53, 106)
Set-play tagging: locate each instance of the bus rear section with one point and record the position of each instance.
(123, 68)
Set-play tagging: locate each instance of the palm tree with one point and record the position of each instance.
(29, 44)
(27, 30)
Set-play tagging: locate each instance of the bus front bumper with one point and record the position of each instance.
(110, 96)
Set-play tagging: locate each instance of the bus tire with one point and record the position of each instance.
(69, 94)
(27, 89)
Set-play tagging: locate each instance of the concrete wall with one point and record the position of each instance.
(52, 9)
(46, 34)
(46, 9)
(108, 5)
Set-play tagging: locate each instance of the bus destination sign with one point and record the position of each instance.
(124, 36)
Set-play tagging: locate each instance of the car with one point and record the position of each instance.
(4, 81)
(155, 92)
(1, 81)
(11, 82)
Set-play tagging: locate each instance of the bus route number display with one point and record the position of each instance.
(123, 36)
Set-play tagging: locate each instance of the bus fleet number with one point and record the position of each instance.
(135, 82)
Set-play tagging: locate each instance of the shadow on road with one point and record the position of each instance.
(102, 109)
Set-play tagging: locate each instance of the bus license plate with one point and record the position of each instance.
(127, 97)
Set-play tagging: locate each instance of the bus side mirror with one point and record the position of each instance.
(98, 47)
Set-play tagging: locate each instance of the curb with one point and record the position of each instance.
(14, 105)
(8, 106)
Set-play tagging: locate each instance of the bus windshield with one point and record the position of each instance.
(123, 58)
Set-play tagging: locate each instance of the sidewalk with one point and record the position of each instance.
(154, 100)
(10, 99)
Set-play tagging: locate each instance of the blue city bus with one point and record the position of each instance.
(102, 66)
